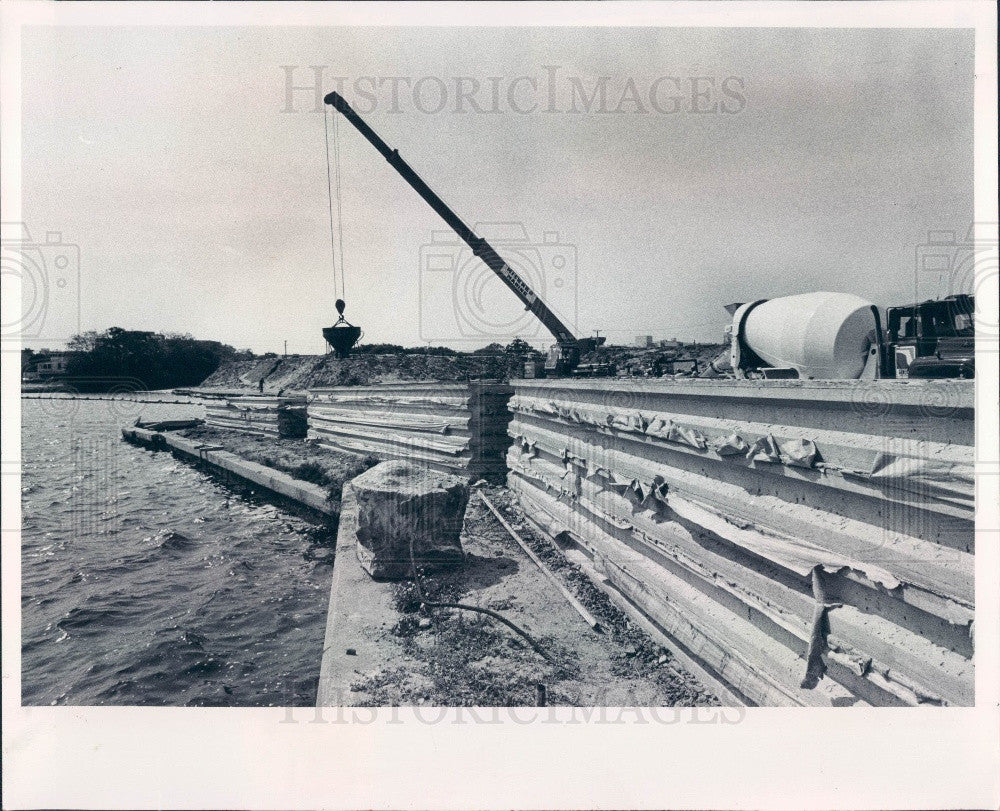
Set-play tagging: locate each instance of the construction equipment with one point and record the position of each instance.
(565, 355)
(839, 336)
(932, 339)
(343, 335)
(595, 369)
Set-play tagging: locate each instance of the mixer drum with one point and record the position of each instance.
(825, 336)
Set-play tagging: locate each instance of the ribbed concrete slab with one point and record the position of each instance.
(456, 427)
(712, 505)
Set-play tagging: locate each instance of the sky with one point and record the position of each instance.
(718, 166)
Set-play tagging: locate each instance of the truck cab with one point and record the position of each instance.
(934, 339)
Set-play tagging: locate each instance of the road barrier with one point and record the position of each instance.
(793, 542)
(455, 427)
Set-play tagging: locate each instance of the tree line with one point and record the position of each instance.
(148, 359)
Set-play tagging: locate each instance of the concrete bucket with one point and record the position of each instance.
(343, 335)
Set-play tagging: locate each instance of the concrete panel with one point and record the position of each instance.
(252, 414)
(724, 511)
(454, 427)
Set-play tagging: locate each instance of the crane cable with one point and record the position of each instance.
(337, 238)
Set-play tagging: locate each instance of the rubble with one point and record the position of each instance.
(295, 373)
(404, 508)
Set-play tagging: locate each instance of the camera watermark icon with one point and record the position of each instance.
(93, 501)
(462, 299)
(950, 264)
(49, 274)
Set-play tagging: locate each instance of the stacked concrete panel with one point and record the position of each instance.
(454, 427)
(266, 415)
(795, 542)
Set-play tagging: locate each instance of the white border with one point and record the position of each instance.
(144, 758)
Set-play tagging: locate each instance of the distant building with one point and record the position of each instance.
(28, 365)
(643, 341)
(673, 343)
(54, 364)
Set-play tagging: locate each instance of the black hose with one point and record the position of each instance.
(492, 614)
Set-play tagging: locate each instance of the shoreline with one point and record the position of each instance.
(97, 396)
(629, 662)
(215, 457)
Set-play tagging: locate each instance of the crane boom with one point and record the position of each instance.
(568, 342)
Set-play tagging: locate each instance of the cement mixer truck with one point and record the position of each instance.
(839, 336)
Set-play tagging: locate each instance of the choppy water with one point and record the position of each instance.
(145, 581)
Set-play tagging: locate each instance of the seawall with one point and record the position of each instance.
(801, 542)
(305, 494)
(455, 427)
(794, 543)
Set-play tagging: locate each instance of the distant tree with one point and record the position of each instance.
(379, 349)
(84, 342)
(519, 347)
(490, 349)
(189, 361)
(154, 360)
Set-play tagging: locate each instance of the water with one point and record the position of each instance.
(145, 581)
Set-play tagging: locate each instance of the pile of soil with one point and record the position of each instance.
(300, 372)
(641, 362)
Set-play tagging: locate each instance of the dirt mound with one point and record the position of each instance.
(684, 359)
(243, 373)
(299, 372)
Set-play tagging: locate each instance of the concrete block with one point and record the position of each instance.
(459, 428)
(401, 502)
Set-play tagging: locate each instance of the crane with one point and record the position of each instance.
(565, 355)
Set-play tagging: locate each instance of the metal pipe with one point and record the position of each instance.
(577, 605)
